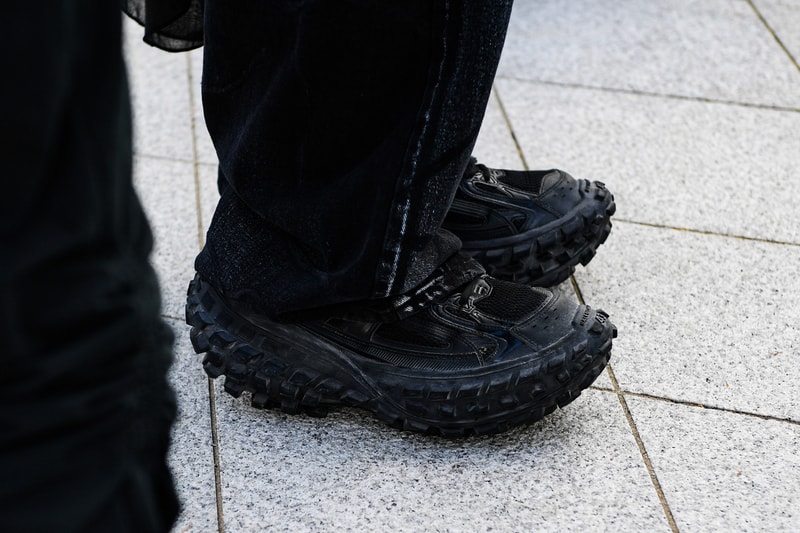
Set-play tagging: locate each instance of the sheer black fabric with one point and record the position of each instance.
(172, 25)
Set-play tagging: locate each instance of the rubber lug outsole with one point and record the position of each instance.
(278, 374)
(545, 259)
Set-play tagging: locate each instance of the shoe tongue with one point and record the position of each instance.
(446, 280)
(443, 282)
(528, 180)
(477, 171)
(531, 181)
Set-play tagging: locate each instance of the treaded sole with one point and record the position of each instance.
(548, 257)
(310, 375)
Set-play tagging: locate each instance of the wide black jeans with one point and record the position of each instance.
(342, 129)
(85, 408)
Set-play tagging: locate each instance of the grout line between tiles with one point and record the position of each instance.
(705, 232)
(634, 430)
(212, 397)
(697, 405)
(643, 451)
(507, 120)
(175, 159)
(212, 400)
(577, 289)
(637, 92)
(162, 157)
(195, 164)
(773, 33)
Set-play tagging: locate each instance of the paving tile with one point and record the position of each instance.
(703, 319)
(167, 191)
(191, 456)
(713, 167)
(603, 382)
(783, 17)
(160, 98)
(722, 471)
(577, 469)
(495, 146)
(714, 49)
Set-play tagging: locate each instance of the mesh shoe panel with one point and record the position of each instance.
(511, 301)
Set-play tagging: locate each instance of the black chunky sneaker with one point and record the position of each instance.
(454, 357)
(530, 226)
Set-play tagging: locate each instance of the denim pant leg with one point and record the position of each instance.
(342, 129)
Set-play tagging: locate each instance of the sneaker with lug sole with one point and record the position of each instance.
(530, 226)
(463, 354)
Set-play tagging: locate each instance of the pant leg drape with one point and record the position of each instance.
(342, 129)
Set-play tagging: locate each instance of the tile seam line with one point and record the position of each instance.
(212, 398)
(162, 157)
(507, 120)
(705, 232)
(198, 163)
(634, 430)
(643, 451)
(773, 33)
(698, 405)
(195, 167)
(668, 96)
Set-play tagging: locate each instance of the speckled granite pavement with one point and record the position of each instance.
(690, 112)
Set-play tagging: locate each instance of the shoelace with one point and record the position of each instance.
(480, 171)
(444, 282)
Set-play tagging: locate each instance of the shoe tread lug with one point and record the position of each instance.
(488, 404)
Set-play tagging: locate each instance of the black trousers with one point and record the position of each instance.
(342, 129)
(85, 409)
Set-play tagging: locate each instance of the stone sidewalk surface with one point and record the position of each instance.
(690, 112)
